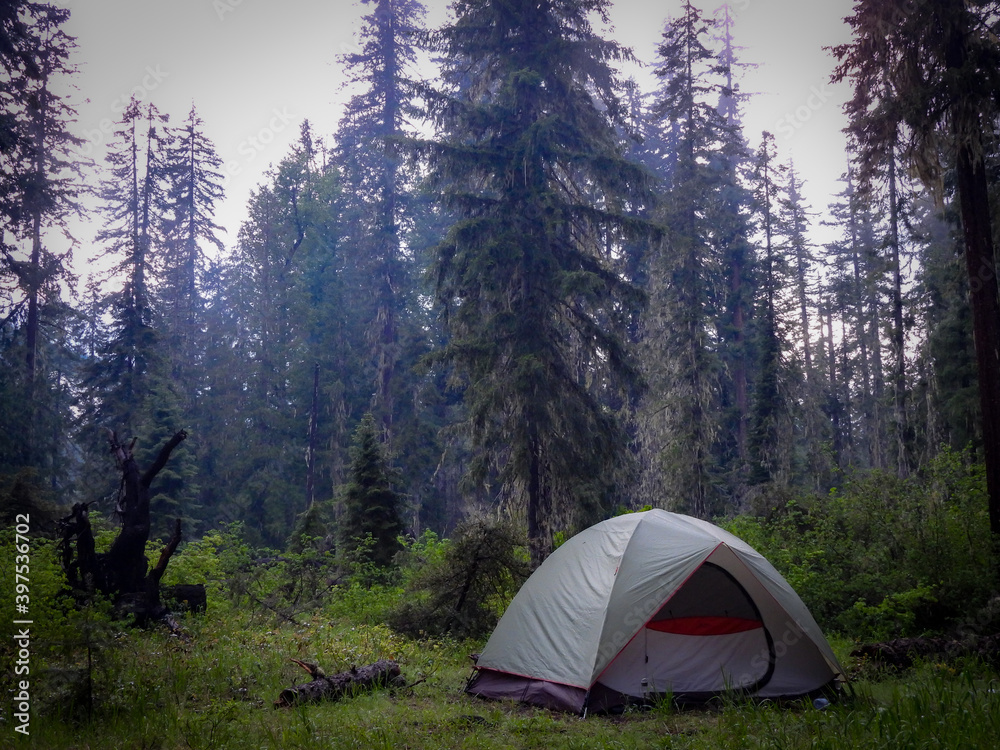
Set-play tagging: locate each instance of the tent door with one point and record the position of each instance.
(707, 638)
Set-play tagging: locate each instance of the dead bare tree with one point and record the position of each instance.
(122, 572)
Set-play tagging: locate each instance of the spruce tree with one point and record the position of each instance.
(852, 282)
(813, 426)
(21, 69)
(798, 250)
(921, 68)
(372, 508)
(277, 309)
(530, 162)
(250, 355)
(376, 211)
(731, 216)
(193, 187)
(893, 243)
(119, 380)
(952, 393)
(770, 435)
(52, 178)
(39, 192)
(177, 485)
(686, 274)
(383, 227)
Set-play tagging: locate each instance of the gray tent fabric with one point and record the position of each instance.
(653, 603)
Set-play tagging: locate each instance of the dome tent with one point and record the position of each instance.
(647, 604)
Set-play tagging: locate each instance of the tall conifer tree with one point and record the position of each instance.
(38, 193)
(376, 210)
(193, 187)
(120, 379)
(731, 215)
(277, 310)
(686, 276)
(770, 435)
(531, 163)
(853, 283)
(941, 61)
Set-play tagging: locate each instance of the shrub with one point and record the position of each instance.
(460, 587)
(886, 555)
(212, 560)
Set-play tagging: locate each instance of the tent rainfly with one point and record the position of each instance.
(652, 604)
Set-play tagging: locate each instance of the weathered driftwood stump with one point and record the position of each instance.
(383, 673)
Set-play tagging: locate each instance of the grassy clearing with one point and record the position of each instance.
(154, 691)
(151, 691)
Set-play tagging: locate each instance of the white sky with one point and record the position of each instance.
(256, 68)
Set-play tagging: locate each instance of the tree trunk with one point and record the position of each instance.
(121, 571)
(126, 560)
(311, 451)
(536, 543)
(153, 579)
(898, 333)
(383, 673)
(973, 194)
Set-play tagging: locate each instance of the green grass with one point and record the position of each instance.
(216, 690)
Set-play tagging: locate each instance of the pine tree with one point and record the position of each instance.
(193, 187)
(332, 305)
(731, 216)
(251, 356)
(802, 261)
(21, 69)
(893, 244)
(177, 485)
(936, 64)
(41, 183)
(52, 182)
(120, 378)
(770, 436)
(814, 427)
(530, 162)
(383, 225)
(277, 309)
(372, 508)
(854, 284)
(377, 184)
(952, 397)
(686, 276)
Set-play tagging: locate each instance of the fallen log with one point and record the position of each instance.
(901, 653)
(383, 673)
(186, 597)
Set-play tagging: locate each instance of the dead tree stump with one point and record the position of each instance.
(121, 572)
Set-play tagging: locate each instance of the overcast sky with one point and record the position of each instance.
(257, 68)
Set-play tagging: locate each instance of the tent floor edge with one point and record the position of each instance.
(491, 684)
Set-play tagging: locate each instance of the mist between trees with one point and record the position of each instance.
(556, 295)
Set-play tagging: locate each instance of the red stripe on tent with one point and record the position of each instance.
(704, 625)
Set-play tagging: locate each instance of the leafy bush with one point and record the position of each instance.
(461, 586)
(48, 603)
(886, 555)
(70, 641)
(895, 614)
(212, 560)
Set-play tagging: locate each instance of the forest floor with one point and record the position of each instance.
(217, 687)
